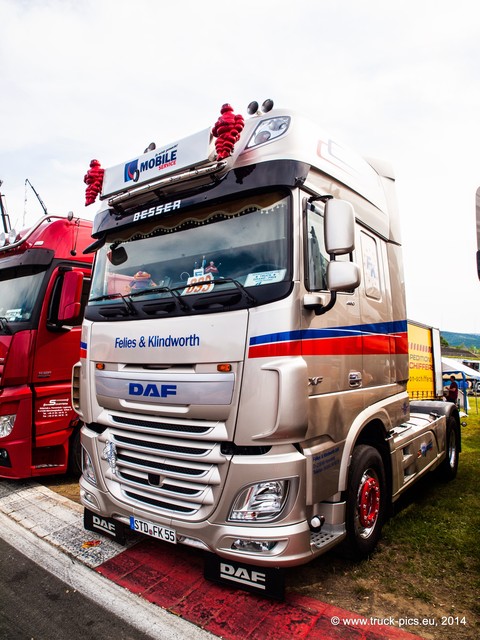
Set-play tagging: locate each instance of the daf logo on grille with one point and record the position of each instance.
(152, 390)
(109, 454)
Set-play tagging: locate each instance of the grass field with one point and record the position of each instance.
(427, 565)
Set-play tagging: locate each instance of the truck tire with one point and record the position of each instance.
(366, 502)
(448, 469)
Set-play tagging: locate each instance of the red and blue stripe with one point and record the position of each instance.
(367, 339)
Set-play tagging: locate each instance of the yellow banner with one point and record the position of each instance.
(421, 383)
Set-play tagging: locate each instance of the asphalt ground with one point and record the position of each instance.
(159, 588)
(27, 587)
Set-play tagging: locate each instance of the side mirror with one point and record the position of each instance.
(70, 305)
(339, 227)
(343, 276)
(117, 256)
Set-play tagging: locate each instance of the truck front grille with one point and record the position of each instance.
(165, 469)
(162, 425)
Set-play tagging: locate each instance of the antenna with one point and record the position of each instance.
(38, 197)
(3, 213)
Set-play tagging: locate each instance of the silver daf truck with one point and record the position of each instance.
(244, 365)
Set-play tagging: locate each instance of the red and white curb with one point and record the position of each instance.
(148, 581)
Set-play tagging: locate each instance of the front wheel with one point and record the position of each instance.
(366, 502)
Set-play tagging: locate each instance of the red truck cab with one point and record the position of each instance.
(44, 284)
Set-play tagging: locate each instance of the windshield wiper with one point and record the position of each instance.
(248, 297)
(174, 291)
(113, 296)
(4, 326)
(181, 299)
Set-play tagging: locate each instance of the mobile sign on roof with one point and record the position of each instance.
(158, 163)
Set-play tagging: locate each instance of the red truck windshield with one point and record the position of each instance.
(18, 296)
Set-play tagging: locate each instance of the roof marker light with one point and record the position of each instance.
(267, 105)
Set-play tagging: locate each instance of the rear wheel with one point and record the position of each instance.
(366, 501)
(448, 469)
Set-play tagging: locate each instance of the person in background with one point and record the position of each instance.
(452, 395)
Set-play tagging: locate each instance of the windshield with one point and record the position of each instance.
(18, 297)
(236, 245)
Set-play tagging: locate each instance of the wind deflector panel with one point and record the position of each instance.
(31, 261)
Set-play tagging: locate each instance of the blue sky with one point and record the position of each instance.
(400, 81)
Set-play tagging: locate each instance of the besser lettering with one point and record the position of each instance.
(152, 390)
(156, 211)
(242, 575)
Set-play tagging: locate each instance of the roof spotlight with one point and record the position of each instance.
(151, 147)
(252, 108)
(267, 106)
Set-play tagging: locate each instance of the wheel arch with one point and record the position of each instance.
(447, 409)
(372, 431)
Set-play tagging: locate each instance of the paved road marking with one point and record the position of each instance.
(135, 610)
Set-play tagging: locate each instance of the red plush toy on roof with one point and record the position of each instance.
(227, 130)
(93, 179)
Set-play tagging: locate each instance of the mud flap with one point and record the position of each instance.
(264, 581)
(106, 526)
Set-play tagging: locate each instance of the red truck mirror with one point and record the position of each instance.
(71, 296)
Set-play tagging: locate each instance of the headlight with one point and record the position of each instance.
(8, 238)
(263, 501)
(269, 129)
(6, 425)
(87, 467)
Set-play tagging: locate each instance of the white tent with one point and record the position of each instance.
(461, 372)
(449, 365)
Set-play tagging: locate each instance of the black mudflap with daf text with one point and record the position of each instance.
(265, 581)
(107, 526)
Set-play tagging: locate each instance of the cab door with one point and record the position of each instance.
(380, 330)
(332, 341)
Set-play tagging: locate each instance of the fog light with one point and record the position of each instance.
(90, 498)
(6, 425)
(88, 469)
(255, 546)
(260, 502)
(4, 458)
